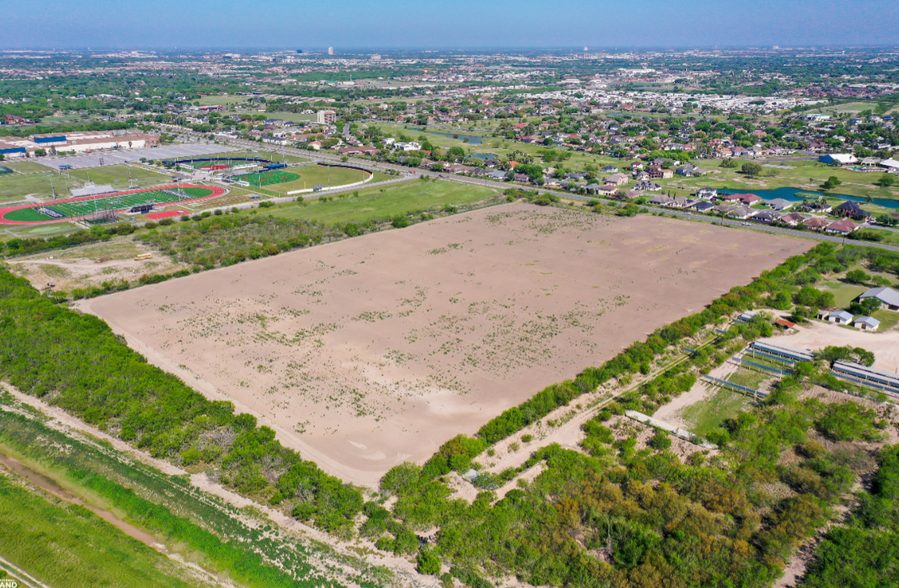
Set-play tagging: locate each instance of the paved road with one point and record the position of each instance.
(327, 157)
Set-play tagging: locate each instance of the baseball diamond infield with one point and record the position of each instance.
(375, 350)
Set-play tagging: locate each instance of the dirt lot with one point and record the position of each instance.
(91, 265)
(372, 351)
(818, 335)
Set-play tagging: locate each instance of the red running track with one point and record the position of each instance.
(4, 211)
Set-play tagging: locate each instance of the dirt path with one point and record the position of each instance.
(48, 485)
(404, 570)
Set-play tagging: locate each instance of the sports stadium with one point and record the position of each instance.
(134, 201)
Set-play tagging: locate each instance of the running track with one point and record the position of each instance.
(216, 191)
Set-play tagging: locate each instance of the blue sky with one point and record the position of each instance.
(450, 24)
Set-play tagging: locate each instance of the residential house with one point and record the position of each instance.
(741, 212)
(850, 209)
(689, 171)
(627, 194)
(820, 206)
(706, 193)
(661, 200)
(841, 227)
(648, 187)
(703, 206)
(747, 199)
(780, 204)
(615, 180)
(815, 223)
(792, 219)
(657, 173)
(767, 216)
(889, 298)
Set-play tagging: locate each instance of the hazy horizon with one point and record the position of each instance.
(460, 25)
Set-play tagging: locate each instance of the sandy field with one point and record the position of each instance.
(91, 265)
(818, 335)
(372, 351)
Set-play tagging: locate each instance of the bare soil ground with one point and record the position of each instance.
(818, 335)
(91, 265)
(372, 351)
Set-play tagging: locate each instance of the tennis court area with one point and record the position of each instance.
(119, 202)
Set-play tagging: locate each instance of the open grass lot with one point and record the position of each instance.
(888, 319)
(844, 292)
(118, 175)
(63, 544)
(41, 231)
(222, 100)
(291, 116)
(25, 167)
(368, 352)
(383, 203)
(310, 175)
(709, 414)
(15, 187)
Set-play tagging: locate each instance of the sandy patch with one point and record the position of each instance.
(818, 335)
(372, 351)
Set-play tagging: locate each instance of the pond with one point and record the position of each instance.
(796, 195)
(472, 139)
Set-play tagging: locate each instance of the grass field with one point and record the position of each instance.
(42, 231)
(81, 208)
(42, 182)
(64, 544)
(383, 203)
(291, 116)
(843, 292)
(709, 414)
(888, 319)
(310, 175)
(196, 526)
(118, 175)
(268, 178)
(221, 100)
(25, 167)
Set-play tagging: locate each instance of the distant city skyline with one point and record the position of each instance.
(459, 24)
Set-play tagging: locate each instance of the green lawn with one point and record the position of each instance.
(26, 167)
(62, 544)
(709, 414)
(14, 187)
(291, 116)
(118, 176)
(888, 319)
(843, 292)
(310, 175)
(42, 231)
(221, 100)
(382, 203)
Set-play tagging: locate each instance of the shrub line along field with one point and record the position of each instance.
(373, 351)
(71, 208)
